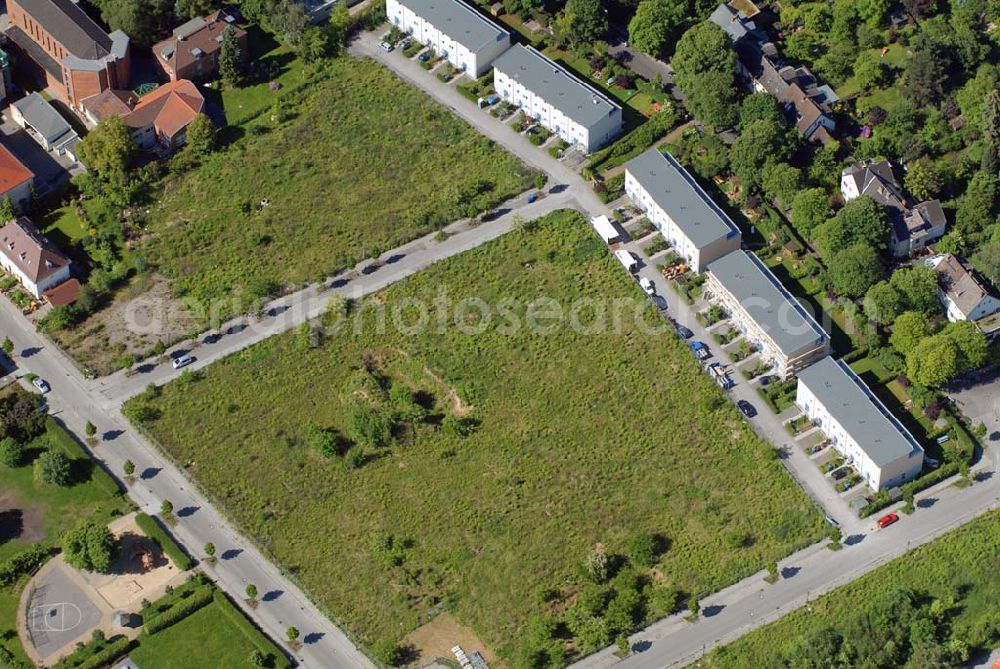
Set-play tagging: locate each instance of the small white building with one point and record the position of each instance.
(456, 31)
(606, 229)
(860, 427)
(46, 125)
(29, 257)
(770, 317)
(547, 93)
(695, 226)
(964, 298)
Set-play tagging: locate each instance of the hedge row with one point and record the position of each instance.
(22, 563)
(101, 658)
(8, 661)
(58, 434)
(179, 611)
(259, 640)
(170, 548)
(881, 499)
(635, 142)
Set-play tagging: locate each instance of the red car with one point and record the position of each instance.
(887, 520)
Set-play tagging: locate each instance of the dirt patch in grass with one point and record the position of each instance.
(18, 521)
(437, 638)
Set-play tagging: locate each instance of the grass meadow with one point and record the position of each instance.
(958, 570)
(352, 165)
(580, 440)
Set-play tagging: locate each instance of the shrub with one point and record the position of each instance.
(22, 563)
(90, 546)
(12, 452)
(54, 467)
(166, 543)
(179, 611)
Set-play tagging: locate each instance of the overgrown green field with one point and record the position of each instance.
(958, 572)
(582, 439)
(355, 164)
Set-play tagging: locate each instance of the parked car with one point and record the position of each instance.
(386, 46)
(887, 520)
(659, 302)
(405, 44)
(840, 473)
(931, 463)
(746, 408)
(182, 361)
(40, 383)
(765, 379)
(647, 286)
(700, 350)
(845, 486)
(424, 57)
(683, 332)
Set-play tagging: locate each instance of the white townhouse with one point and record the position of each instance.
(546, 92)
(768, 315)
(456, 31)
(864, 431)
(29, 257)
(688, 218)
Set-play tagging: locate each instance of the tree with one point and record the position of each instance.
(251, 591)
(8, 211)
(90, 429)
(128, 467)
(201, 135)
(582, 21)
(883, 303)
(772, 570)
(869, 70)
(388, 653)
(705, 67)
(654, 25)
(855, 269)
(370, 427)
(976, 209)
(258, 659)
(861, 221)
(624, 648)
(7, 346)
(920, 9)
(973, 349)
(810, 209)
(923, 179)
(142, 20)
(991, 130)
(780, 182)
(292, 633)
(971, 98)
(210, 549)
(693, 606)
(642, 550)
(918, 287)
(598, 565)
(192, 8)
(231, 58)
(54, 467)
(90, 546)
(872, 12)
(926, 73)
(12, 452)
(166, 508)
(908, 330)
(934, 361)
(759, 143)
(109, 148)
(759, 107)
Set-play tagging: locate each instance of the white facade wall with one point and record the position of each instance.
(19, 195)
(476, 62)
(890, 474)
(36, 290)
(849, 187)
(552, 118)
(697, 256)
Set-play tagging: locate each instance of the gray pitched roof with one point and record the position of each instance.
(862, 415)
(458, 21)
(579, 101)
(680, 196)
(43, 118)
(729, 20)
(773, 308)
(70, 26)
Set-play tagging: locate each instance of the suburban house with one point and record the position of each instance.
(36, 115)
(860, 427)
(77, 58)
(759, 63)
(687, 217)
(914, 226)
(784, 333)
(15, 179)
(158, 119)
(547, 93)
(192, 51)
(963, 296)
(29, 257)
(457, 32)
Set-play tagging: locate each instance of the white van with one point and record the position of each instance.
(628, 259)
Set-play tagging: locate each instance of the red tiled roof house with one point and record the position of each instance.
(192, 51)
(29, 257)
(15, 178)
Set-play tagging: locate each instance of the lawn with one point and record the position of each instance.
(362, 163)
(582, 439)
(958, 570)
(206, 638)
